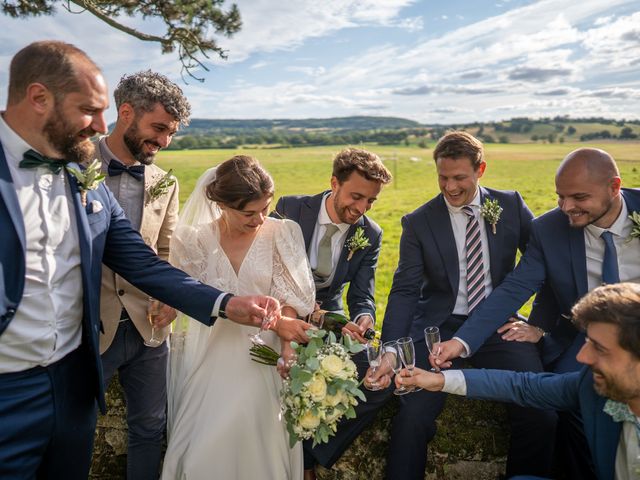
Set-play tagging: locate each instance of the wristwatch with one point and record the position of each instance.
(222, 309)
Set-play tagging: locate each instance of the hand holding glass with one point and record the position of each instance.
(374, 355)
(256, 338)
(408, 356)
(432, 339)
(153, 310)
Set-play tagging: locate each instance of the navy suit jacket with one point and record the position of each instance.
(359, 272)
(555, 256)
(570, 392)
(104, 236)
(425, 285)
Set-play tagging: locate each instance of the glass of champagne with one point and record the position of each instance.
(408, 356)
(374, 355)
(153, 310)
(392, 357)
(432, 339)
(256, 338)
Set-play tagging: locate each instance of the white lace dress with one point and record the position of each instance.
(224, 408)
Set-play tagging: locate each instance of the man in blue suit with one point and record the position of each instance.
(451, 256)
(584, 242)
(606, 392)
(333, 218)
(56, 232)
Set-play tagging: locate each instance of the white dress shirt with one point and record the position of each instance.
(337, 241)
(47, 323)
(627, 248)
(459, 221)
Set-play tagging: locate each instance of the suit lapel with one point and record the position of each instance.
(10, 198)
(145, 220)
(578, 259)
(343, 264)
(604, 437)
(438, 215)
(309, 217)
(495, 242)
(84, 232)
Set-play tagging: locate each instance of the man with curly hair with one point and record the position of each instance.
(150, 110)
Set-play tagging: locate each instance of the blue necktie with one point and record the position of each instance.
(610, 259)
(116, 168)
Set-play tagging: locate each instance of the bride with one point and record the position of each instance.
(224, 408)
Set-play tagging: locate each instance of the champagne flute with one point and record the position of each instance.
(392, 357)
(256, 338)
(153, 310)
(374, 356)
(432, 339)
(408, 355)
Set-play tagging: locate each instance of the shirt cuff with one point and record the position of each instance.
(454, 382)
(355, 320)
(216, 306)
(467, 350)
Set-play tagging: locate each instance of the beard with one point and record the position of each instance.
(62, 137)
(614, 388)
(135, 144)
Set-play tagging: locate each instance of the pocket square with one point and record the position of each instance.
(94, 207)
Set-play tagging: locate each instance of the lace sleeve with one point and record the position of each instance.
(187, 252)
(292, 279)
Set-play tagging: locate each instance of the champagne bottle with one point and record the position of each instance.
(334, 322)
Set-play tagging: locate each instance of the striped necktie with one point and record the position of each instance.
(475, 263)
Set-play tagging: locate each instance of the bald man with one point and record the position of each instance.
(569, 253)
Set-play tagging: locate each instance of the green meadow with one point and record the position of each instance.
(528, 168)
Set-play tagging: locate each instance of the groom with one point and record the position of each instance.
(54, 240)
(328, 221)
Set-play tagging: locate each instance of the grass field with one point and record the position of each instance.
(528, 168)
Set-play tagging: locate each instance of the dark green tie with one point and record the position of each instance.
(33, 159)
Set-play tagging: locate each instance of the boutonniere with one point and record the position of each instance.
(358, 241)
(88, 179)
(162, 185)
(635, 230)
(490, 211)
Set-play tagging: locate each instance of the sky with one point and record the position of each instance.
(435, 62)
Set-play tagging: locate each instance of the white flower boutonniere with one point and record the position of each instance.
(357, 242)
(162, 186)
(88, 179)
(491, 211)
(635, 230)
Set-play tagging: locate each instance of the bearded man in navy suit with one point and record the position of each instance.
(451, 257)
(583, 243)
(356, 181)
(605, 392)
(56, 232)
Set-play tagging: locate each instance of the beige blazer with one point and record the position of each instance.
(159, 218)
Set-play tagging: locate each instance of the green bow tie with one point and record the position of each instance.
(33, 159)
(620, 412)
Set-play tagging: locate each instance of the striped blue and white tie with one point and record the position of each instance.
(475, 263)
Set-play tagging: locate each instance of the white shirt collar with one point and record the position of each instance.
(618, 228)
(474, 203)
(13, 144)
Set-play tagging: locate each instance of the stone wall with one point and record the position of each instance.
(471, 443)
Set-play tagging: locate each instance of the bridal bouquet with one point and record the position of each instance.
(322, 386)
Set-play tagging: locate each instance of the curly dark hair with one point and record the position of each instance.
(144, 90)
(367, 164)
(617, 304)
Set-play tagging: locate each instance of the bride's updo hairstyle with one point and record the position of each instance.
(240, 180)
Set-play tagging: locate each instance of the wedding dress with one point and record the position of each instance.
(224, 408)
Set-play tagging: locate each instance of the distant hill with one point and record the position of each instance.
(204, 125)
(279, 133)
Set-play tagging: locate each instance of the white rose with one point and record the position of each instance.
(333, 416)
(309, 421)
(318, 388)
(333, 400)
(332, 365)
